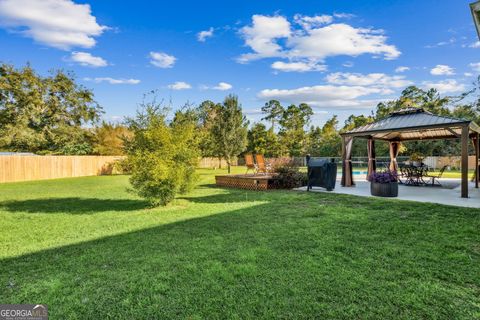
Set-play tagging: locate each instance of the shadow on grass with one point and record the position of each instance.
(72, 205)
(231, 195)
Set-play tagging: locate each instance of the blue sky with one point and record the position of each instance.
(342, 57)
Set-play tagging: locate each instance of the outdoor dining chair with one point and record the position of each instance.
(402, 172)
(434, 177)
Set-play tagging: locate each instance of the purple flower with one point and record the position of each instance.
(386, 176)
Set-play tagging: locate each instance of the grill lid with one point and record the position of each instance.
(317, 162)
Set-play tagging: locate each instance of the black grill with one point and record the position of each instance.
(321, 173)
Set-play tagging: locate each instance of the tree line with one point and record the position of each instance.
(290, 133)
(54, 115)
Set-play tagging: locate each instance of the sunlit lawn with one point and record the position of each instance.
(90, 250)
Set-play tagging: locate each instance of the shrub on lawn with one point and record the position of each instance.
(289, 175)
(162, 155)
(122, 166)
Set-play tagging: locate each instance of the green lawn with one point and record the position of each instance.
(90, 250)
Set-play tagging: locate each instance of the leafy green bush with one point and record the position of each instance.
(122, 166)
(162, 155)
(288, 174)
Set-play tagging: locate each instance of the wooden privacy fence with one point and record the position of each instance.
(214, 163)
(453, 161)
(24, 168)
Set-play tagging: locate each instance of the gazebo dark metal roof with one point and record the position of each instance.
(413, 124)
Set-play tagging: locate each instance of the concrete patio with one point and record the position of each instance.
(448, 194)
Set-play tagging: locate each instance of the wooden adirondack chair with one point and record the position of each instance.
(261, 165)
(249, 163)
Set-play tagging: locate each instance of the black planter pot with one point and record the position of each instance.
(384, 189)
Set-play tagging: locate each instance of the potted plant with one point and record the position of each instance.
(384, 184)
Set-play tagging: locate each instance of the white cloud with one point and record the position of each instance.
(401, 69)
(179, 85)
(326, 96)
(313, 42)
(203, 35)
(348, 64)
(342, 39)
(442, 70)
(298, 66)
(87, 60)
(445, 86)
(468, 74)
(342, 90)
(162, 60)
(475, 66)
(61, 24)
(450, 41)
(116, 118)
(222, 86)
(343, 15)
(476, 44)
(378, 80)
(261, 37)
(113, 80)
(308, 22)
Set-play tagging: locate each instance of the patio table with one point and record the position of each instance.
(414, 174)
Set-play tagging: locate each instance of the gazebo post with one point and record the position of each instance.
(477, 151)
(394, 147)
(343, 162)
(464, 164)
(372, 162)
(347, 177)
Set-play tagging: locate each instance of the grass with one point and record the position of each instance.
(90, 250)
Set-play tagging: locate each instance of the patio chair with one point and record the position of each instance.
(262, 166)
(249, 163)
(434, 177)
(402, 173)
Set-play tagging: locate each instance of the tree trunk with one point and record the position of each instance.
(228, 164)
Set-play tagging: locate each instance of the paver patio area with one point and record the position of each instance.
(448, 194)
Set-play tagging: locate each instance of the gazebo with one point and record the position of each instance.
(407, 125)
